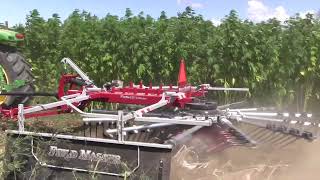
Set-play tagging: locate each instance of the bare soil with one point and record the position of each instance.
(296, 161)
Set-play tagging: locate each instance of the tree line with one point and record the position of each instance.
(278, 61)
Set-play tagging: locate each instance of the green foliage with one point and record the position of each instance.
(279, 62)
(4, 86)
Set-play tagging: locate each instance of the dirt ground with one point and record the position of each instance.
(296, 161)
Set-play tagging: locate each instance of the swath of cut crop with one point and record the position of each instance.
(296, 161)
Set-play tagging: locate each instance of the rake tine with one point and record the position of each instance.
(284, 138)
(235, 138)
(100, 130)
(86, 129)
(278, 138)
(154, 134)
(273, 136)
(143, 135)
(146, 137)
(265, 138)
(289, 142)
(136, 135)
(260, 132)
(93, 129)
(162, 134)
(220, 147)
(264, 135)
(248, 128)
(126, 136)
(255, 131)
(131, 136)
(169, 131)
(106, 126)
(111, 125)
(260, 124)
(239, 132)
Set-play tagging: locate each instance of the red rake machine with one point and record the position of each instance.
(137, 142)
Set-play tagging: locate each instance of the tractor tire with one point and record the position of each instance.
(15, 67)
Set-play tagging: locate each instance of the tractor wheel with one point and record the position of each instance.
(14, 67)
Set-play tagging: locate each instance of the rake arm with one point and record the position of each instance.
(300, 125)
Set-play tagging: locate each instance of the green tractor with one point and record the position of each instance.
(15, 72)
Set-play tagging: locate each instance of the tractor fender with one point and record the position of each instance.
(9, 36)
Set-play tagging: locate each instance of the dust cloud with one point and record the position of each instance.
(291, 159)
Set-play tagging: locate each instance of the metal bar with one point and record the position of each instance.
(263, 118)
(231, 104)
(78, 70)
(84, 114)
(120, 125)
(100, 119)
(152, 107)
(263, 109)
(56, 104)
(82, 138)
(158, 87)
(255, 123)
(185, 136)
(241, 110)
(261, 114)
(67, 101)
(28, 94)
(266, 114)
(207, 87)
(149, 114)
(227, 89)
(21, 118)
(305, 123)
(146, 126)
(189, 121)
(140, 112)
(96, 89)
